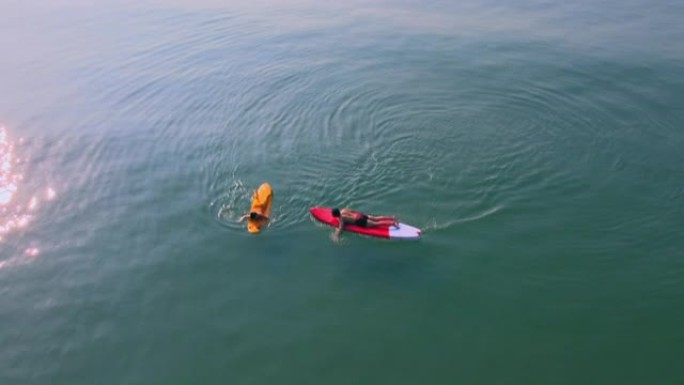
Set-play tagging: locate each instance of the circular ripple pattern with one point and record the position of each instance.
(539, 147)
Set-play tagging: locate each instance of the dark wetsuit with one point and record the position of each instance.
(361, 220)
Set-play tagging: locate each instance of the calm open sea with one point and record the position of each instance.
(538, 144)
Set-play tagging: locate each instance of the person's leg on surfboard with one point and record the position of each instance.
(385, 221)
(374, 223)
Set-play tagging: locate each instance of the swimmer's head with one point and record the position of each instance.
(253, 215)
(336, 213)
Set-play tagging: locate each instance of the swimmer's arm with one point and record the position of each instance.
(242, 218)
(340, 227)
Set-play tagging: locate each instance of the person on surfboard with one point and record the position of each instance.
(351, 217)
(253, 216)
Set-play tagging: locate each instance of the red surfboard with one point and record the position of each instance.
(403, 231)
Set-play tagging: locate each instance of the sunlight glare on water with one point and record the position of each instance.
(15, 214)
(8, 180)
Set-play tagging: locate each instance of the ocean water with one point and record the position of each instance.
(538, 144)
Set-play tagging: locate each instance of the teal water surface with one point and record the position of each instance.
(539, 145)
